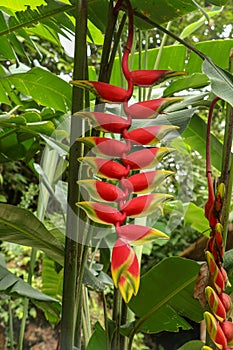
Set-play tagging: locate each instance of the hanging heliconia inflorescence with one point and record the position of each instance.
(114, 161)
(220, 329)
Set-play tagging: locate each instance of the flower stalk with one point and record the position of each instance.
(220, 329)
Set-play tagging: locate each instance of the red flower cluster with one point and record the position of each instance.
(220, 305)
(115, 159)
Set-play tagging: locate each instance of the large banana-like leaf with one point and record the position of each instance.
(44, 87)
(15, 286)
(165, 297)
(18, 225)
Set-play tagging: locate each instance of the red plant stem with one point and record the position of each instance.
(128, 46)
(208, 157)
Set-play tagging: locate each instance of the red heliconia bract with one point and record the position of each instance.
(125, 269)
(102, 191)
(149, 135)
(103, 91)
(145, 158)
(150, 77)
(145, 181)
(144, 205)
(102, 213)
(138, 234)
(106, 146)
(106, 122)
(227, 328)
(105, 168)
(149, 109)
(226, 300)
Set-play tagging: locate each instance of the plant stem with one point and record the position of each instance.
(106, 321)
(74, 249)
(124, 317)
(116, 316)
(105, 72)
(227, 163)
(158, 58)
(11, 331)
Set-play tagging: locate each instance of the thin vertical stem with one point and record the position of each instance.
(74, 249)
(158, 58)
(139, 61)
(116, 316)
(106, 321)
(11, 331)
(227, 163)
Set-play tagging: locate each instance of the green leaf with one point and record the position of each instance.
(221, 81)
(45, 127)
(195, 216)
(161, 11)
(195, 136)
(18, 225)
(219, 2)
(216, 50)
(166, 296)
(194, 81)
(191, 28)
(44, 87)
(192, 345)
(98, 12)
(15, 286)
(98, 338)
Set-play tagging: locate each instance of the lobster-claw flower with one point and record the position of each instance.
(226, 301)
(144, 205)
(102, 191)
(104, 168)
(105, 146)
(125, 270)
(102, 213)
(215, 331)
(145, 158)
(150, 109)
(227, 328)
(149, 135)
(218, 275)
(138, 234)
(147, 78)
(104, 92)
(215, 304)
(106, 122)
(145, 182)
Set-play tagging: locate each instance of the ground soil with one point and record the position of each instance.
(39, 335)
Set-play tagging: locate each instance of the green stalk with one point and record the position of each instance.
(106, 321)
(73, 249)
(227, 164)
(11, 328)
(26, 300)
(158, 58)
(139, 61)
(116, 316)
(105, 72)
